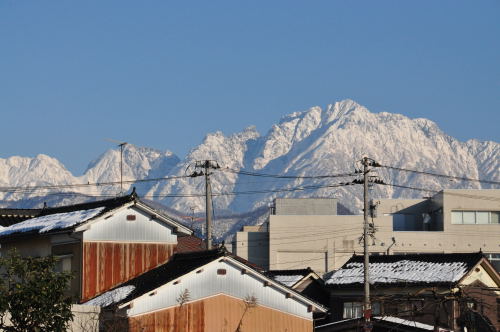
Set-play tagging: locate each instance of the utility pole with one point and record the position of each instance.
(206, 166)
(121, 167)
(367, 304)
(121, 145)
(368, 230)
(208, 206)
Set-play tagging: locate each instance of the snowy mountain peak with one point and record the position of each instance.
(345, 108)
(312, 142)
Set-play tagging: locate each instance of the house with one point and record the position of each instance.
(104, 243)
(304, 281)
(206, 291)
(379, 324)
(451, 291)
(310, 232)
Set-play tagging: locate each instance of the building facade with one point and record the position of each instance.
(454, 220)
(206, 291)
(452, 291)
(102, 243)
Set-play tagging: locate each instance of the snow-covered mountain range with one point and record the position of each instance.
(309, 143)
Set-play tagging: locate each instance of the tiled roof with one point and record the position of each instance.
(51, 222)
(385, 323)
(13, 216)
(64, 217)
(179, 265)
(288, 277)
(416, 268)
(189, 243)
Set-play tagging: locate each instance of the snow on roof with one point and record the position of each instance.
(400, 271)
(111, 297)
(288, 280)
(52, 221)
(401, 321)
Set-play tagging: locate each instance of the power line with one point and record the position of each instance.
(84, 185)
(480, 197)
(287, 176)
(441, 175)
(253, 192)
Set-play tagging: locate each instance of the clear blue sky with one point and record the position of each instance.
(163, 74)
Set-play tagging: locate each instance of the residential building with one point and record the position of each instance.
(305, 281)
(379, 324)
(451, 291)
(103, 243)
(137, 269)
(454, 220)
(206, 291)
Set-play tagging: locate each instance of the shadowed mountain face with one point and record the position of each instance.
(310, 143)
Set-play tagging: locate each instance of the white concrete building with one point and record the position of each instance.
(454, 220)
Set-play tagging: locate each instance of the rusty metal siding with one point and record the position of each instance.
(107, 264)
(218, 313)
(118, 229)
(208, 283)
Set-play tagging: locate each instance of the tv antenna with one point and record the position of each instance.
(121, 145)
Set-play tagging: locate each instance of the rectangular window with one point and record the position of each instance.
(63, 263)
(494, 260)
(482, 217)
(498, 310)
(376, 309)
(475, 217)
(353, 309)
(456, 217)
(495, 217)
(469, 217)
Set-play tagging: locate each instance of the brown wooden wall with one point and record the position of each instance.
(107, 264)
(219, 313)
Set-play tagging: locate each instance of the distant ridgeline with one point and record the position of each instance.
(306, 154)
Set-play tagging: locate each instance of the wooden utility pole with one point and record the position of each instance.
(367, 305)
(208, 205)
(206, 166)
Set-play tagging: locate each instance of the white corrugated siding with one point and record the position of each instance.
(118, 228)
(208, 283)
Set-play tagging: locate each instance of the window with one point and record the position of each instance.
(475, 217)
(63, 263)
(456, 217)
(494, 260)
(498, 310)
(376, 308)
(469, 217)
(353, 309)
(482, 217)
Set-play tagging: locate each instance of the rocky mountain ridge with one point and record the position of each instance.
(310, 143)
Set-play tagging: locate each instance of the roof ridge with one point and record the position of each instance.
(109, 203)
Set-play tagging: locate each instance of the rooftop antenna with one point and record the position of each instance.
(121, 145)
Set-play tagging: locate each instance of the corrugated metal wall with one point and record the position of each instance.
(218, 313)
(142, 228)
(107, 264)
